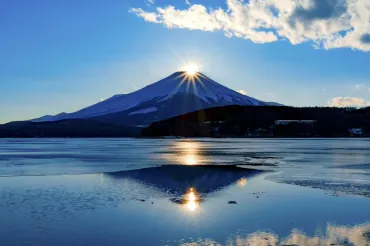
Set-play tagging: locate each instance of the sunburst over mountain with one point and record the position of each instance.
(177, 94)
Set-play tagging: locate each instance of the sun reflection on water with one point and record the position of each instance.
(242, 182)
(190, 160)
(191, 200)
(189, 153)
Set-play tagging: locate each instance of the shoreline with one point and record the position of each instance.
(181, 137)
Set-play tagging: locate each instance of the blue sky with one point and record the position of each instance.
(62, 56)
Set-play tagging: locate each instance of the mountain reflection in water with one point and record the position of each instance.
(189, 185)
(177, 179)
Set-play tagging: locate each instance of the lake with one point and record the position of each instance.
(184, 192)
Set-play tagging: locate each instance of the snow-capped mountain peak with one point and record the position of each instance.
(147, 100)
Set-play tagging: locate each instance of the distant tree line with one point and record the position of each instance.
(239, 121)
(77, 128)
(227, 121)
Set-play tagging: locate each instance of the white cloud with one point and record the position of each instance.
(326, 23)
(147, 16)
(332, 235)
(335, 235)
(242, 92)
(348, 102)
(150, 2)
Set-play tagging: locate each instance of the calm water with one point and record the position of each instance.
(152, 192)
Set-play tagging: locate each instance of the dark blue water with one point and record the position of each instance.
(128, 192)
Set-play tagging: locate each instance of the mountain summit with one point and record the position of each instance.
(177, 94)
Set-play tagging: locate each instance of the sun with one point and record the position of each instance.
(190, 76)
(191, 69)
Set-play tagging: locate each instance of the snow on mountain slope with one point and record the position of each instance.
(145, 111)
(209, 91)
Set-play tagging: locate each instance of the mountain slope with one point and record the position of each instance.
(174, 95)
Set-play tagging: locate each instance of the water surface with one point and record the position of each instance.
(152, 192)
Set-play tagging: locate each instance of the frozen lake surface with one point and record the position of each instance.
(153, 192)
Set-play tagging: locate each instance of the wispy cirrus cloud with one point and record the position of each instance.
(325, 23)
(348, 102)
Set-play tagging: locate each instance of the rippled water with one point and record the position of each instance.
(153, 192)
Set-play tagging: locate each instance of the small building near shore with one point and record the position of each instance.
(287, 122)
(355, 131)
(259, 132)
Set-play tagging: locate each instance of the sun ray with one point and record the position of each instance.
(200, 81)
(194, 85)
(201, 75)
(198, 78)
(191, 76)
(180, 75)
(184, 79)
(187, 84)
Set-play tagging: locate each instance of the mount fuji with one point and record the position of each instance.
(177, 94)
